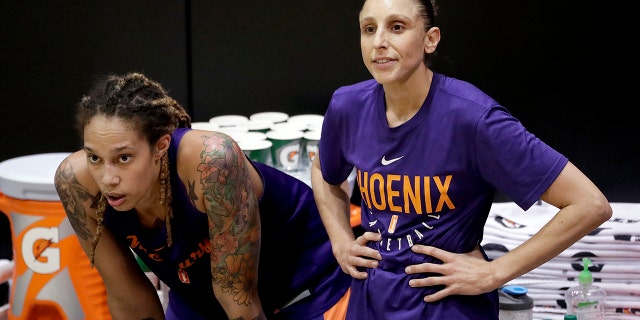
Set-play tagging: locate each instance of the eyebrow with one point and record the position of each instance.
(393, 17)
(118, 149)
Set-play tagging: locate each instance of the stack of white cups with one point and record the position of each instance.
(288, 143)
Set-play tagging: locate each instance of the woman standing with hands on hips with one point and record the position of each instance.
(231, 238)
(430, 152)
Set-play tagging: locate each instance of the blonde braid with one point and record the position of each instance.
(165, 193)
(102, 205)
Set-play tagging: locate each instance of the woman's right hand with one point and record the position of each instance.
(355, 255)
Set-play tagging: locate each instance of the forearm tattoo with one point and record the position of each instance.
(73, 195)
(233, 217)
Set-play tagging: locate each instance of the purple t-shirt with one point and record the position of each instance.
(429, 181)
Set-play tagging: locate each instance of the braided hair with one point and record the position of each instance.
(149, 109)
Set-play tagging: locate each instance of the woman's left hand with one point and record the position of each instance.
(460, 273)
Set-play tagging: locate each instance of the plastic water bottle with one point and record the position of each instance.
(514, 303)
(586, 301)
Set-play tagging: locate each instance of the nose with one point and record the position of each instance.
(110, 175)
(380, 38)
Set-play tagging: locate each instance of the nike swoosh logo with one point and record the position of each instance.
(386, 162)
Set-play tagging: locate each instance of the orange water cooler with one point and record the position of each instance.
(52, 278)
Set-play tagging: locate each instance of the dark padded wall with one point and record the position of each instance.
(562, 68)
(53, 49)
(283, 55)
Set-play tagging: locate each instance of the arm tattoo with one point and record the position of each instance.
(192, 193)
(234, 225)
(73, 195)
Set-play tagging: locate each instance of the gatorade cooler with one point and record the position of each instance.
(52, 279)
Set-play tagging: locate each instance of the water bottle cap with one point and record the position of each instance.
(514, 298)
(515, 290)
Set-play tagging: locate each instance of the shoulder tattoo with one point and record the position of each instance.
(73, 195)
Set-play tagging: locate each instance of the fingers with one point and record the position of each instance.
(448, 286)
(361, 249)
(457, 274)
(438, 295)
(444, 256)
(362, 256)
(426, 268)
(368, 237)
(355, 273)
(358, 255)
(432, 251)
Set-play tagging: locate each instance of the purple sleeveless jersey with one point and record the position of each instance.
(295, 255)
(430, 181)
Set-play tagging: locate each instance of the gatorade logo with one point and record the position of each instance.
(39, 251)
(289, 155)
(312, 150)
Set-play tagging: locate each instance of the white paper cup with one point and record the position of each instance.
(257, 150)
(205, 126)
(310, 147)
(272, 116)
(229, 120)
(258, 125)
(315, 126)
(251, 135)
(235, 132)
(307, 121)
(287, 126)
(286, 148)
